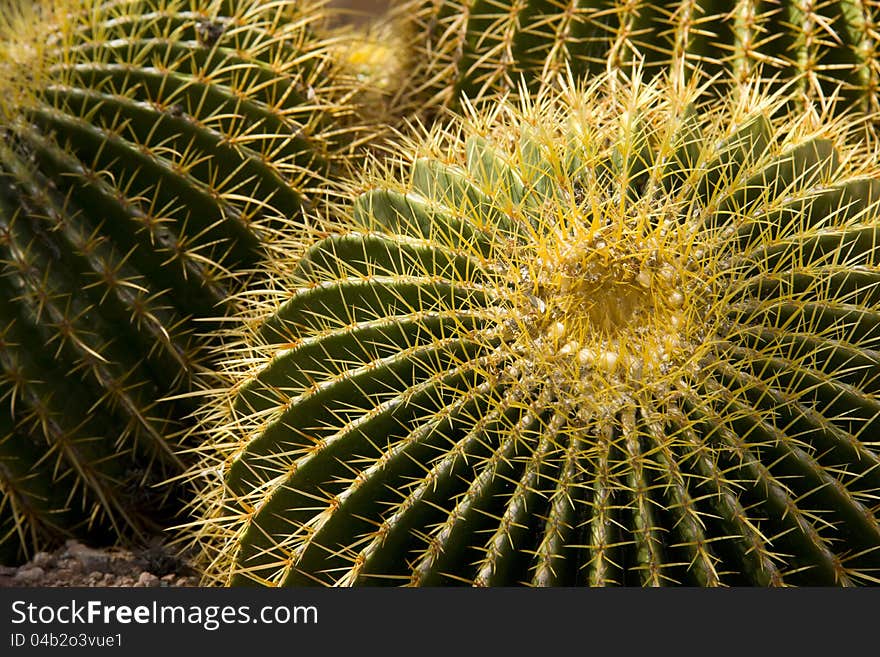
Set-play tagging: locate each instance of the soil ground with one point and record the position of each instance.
(76, 564)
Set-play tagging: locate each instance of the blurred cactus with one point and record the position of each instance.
(151, 152)
(605, 337)
(371, 57)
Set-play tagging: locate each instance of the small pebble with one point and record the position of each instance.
(32, 574)
(91, 560)
(147, 579)
(43, 560)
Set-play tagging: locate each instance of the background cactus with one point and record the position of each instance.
(608, 337)
(150, 152)
(371, 56)
(477, 46)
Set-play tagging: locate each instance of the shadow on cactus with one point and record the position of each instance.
(151, 150)
(480, 47)
(607, 337)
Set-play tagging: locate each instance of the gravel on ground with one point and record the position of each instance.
(76, 564)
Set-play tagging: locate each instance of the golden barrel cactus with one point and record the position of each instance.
(150, 153)
(608, 336)
(485, 46)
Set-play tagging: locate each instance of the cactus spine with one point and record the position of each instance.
(479, 46)
(151, 150)
(605, 337)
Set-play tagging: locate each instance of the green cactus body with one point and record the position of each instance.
(605, 338)
(151, 150)
(476, 47)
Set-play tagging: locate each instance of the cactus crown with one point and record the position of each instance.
(606, 336)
